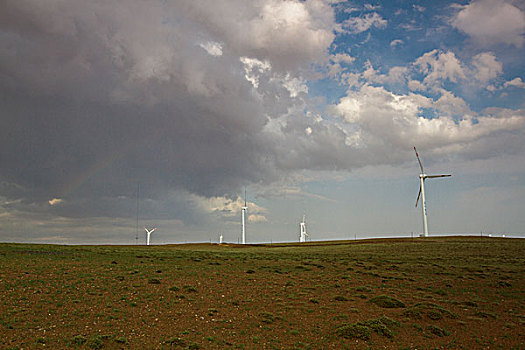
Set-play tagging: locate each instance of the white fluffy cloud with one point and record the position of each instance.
(516, 82)
(227, 207)
(491, 22)
(257, 218)
(357, 25)
(274, 28)
(212, 47)
(254, 68)
(438, 66)
(487, 67)
(395, 75)
(370, 7)
(451, 105)
(294, 85)
(342, 58)
(385, 119)
(55, 201)
(396, 42)
(337, 64)
(416, 85)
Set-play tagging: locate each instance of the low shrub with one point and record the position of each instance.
(440, 332)
(267, 317)
(362, 330)
(79, 340)
(386, 301)
(95, 342)
(354, 331)
(430, 310)
(190, 289)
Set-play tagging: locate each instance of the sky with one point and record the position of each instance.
(117, 116)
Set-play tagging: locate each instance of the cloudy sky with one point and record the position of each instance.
(175, 107)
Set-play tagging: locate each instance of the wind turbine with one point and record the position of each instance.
(243, 219)
(302, 228)
(422, 178)
(149, 232)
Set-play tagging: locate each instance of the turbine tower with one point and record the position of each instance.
(243, 219)
(422, 178)
(148, 234)
(302, 229)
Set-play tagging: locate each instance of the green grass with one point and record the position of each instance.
(354, 331)
(79, 340)
(440, 332)
(430, 310)
(316, 295)
(386, 301)
(383, 326)
(267, 317)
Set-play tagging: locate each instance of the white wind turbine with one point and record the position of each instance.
(421, 193)
(302, 229)
(148, 234)
(243, 219)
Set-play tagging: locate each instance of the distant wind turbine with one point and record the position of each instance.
(422, 178)
(302, 228)
(243, 219)
(148, 234)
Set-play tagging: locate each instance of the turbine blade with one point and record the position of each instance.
(434, 176)
(419, 161)
(419, 194)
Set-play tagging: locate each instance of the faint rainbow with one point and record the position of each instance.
(90, 172)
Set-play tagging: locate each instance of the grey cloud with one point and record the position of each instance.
(99, 96)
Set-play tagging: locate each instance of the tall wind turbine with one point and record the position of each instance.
(302, 229)
(149, 232)
(422, 178)
(243, 219)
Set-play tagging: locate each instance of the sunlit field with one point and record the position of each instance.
(432, 293)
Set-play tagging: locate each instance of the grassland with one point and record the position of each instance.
(434, 293)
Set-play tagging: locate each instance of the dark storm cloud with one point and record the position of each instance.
(99, 97)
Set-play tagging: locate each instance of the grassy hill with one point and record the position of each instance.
(450, 292)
